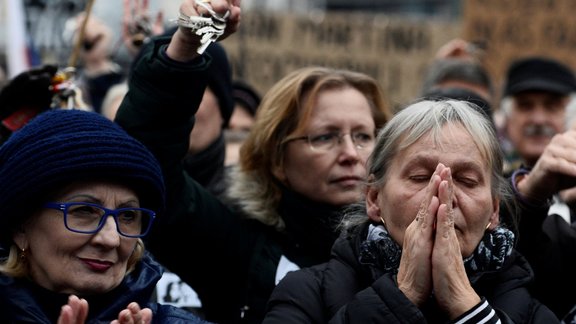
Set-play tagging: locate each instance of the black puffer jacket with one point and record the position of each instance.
(345, 291)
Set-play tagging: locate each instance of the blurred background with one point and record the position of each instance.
(392, 40)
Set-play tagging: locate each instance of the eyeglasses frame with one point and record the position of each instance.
(340, 139)
(63, 207)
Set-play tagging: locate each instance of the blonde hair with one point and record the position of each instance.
(287, 107)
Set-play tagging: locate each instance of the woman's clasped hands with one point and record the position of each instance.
(431, 260)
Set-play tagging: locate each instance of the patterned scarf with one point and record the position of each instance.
(380, 250)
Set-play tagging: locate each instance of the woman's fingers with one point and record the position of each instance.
(75, 312)
(452, 287)
(132, 314)
(415, 270)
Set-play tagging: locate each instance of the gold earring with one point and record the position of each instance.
(383, 221)
(22, 254)
(487, 226)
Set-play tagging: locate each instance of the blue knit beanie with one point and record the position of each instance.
(59, 147)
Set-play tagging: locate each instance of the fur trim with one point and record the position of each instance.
(246, 192)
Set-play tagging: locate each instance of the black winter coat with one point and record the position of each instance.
(344, 291)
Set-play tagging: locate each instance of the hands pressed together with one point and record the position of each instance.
(76, 311)
(431, 259)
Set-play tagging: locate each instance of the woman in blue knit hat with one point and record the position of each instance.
(78, 196)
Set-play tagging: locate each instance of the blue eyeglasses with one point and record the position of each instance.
(88, 218)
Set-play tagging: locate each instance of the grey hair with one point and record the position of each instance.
(429, 117)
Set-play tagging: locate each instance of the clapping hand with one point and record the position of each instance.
(134, 315)
(76, 312)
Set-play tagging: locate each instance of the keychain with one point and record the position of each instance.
(210, 28)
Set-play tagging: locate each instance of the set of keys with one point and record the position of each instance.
(210, 28)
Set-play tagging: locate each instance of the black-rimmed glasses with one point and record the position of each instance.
(88, 218)
(327, 141)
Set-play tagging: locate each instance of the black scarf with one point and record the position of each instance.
(207, 166)
(311, 228)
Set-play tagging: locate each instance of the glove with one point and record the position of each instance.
(29, 89)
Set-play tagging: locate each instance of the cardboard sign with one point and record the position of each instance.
(393, 50)
(512, 29)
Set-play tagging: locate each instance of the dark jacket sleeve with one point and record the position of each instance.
(197, 236)
(161, 102)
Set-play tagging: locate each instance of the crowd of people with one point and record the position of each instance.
(317, 201)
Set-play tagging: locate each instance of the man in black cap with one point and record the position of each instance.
(534, 104)
(538, 94)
